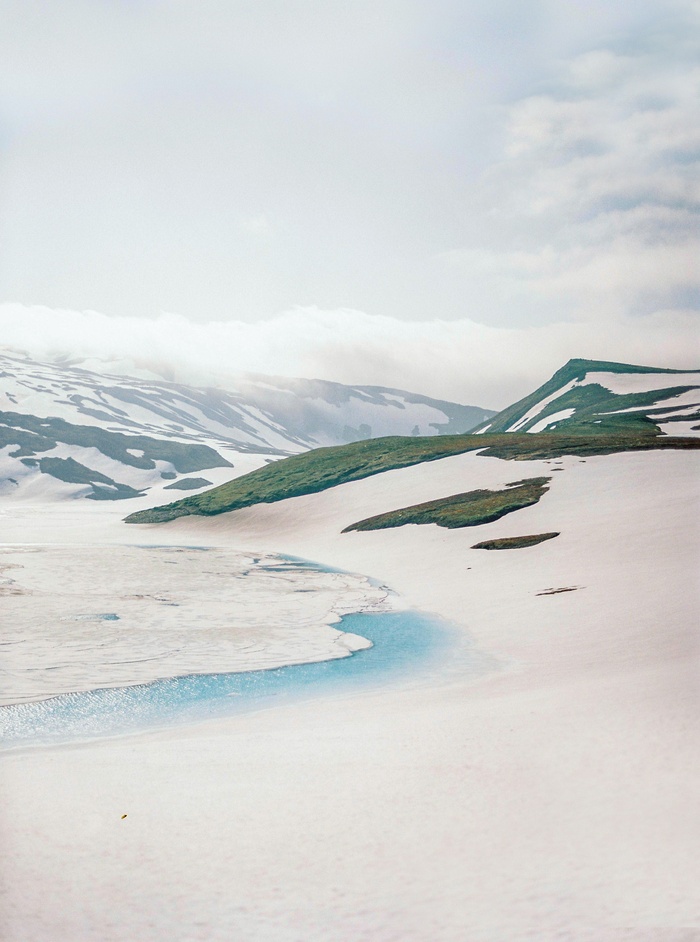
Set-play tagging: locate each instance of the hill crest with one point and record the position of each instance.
(595, 396)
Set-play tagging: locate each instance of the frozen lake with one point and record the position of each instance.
(403, 643)
(111, 640)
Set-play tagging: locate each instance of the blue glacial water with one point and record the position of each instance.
(405, 644)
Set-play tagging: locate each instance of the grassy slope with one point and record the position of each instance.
(322, 468)
(577, 370)
(461, 510)
(310, 472)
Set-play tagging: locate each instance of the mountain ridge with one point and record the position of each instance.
(327, 467)
(106, 436)
(599, 405)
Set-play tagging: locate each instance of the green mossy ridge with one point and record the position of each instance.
(515, 542)
(461, 510)
(558, 444)
(313, 471)
(323, 468)
(576, 370)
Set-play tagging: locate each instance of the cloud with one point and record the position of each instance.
(235, 159)
(258, 226)
(458, 360)
(594, 212)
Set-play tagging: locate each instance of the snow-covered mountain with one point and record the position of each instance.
(109, 437)
(595, 396)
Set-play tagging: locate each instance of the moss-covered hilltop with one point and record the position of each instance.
(577, 400)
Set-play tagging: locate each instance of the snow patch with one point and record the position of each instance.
(626, 383)
(535, 410)
(552, 419)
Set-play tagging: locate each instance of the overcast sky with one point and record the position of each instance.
(388, 172)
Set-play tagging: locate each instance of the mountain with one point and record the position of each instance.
(562, 413)
(594, 396)
(111, 437)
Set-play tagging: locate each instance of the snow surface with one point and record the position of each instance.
(259, 418)
(685, 429)
(286, 417)
(625, 383)
(551, 420)
(535, 410)
(554, 799)
(691, 397)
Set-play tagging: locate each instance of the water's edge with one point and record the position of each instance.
(405, 645)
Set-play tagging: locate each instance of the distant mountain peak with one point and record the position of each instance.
(597, 396)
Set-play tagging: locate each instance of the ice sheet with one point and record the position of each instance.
(78, 618)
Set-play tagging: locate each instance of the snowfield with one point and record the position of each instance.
(552, 799)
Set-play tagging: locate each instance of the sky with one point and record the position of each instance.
(451, 197)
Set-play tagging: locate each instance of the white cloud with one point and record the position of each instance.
(143, 143)
(595, 210)
(458, 360)
(232, 163)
